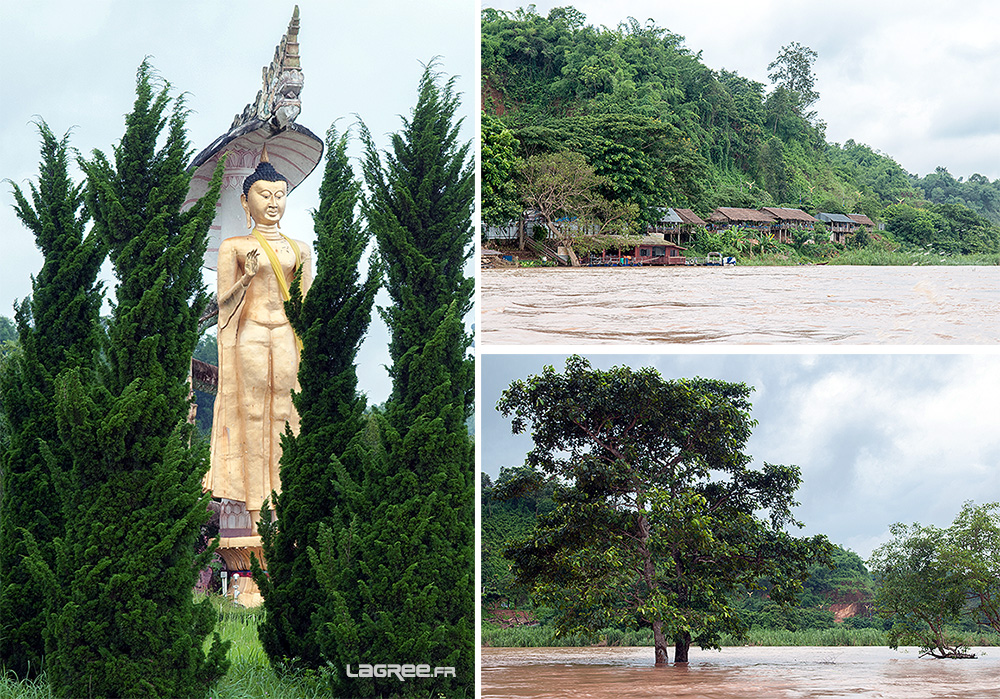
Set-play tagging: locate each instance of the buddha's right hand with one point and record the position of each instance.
(251, 264)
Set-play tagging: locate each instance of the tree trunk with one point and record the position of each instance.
(567, 243)
(649, 576)
(573, 261)
(660, 643)
(682, 644)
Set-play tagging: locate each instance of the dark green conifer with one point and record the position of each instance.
(332, 320)
(400, 572)
(420, 208)
(56, 329)
(124, 621)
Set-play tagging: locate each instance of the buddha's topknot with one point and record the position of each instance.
(266, 172)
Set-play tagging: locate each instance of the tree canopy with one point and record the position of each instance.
(929, 579)
(8, 331)
(565, 191)
(793, 71)
(499, 199)
(659, 515)
(641, 107)
(332, 321)
(506, 517)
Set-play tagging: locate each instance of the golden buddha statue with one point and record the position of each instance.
(258, 350)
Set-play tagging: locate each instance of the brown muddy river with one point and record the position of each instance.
(742, 305)
(737, 673)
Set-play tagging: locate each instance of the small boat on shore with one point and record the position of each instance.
(713, 259)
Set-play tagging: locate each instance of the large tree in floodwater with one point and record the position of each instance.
(658, 516)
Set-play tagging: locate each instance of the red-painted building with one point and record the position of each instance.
(651, 250)
(657, 251)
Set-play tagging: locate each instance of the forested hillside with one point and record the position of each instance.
(840, 592)
(663, 129)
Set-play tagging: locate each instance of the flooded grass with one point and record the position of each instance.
(545, 637)
(912, 259)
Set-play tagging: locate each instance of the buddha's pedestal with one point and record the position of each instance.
(238, 540)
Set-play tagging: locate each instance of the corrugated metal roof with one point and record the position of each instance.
(668, 216)
(835, 218)
(658, 240)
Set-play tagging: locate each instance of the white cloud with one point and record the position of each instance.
(879, 438)
(890, 438)
(864, 545)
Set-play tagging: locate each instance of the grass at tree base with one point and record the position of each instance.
(249, 677)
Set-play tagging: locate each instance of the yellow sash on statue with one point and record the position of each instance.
(276, 266)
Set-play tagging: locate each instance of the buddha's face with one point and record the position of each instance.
(265, 202)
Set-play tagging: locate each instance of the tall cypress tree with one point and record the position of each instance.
(124, 622)
(420, 208)
(400, 573)
(57, 330)
(332, 321)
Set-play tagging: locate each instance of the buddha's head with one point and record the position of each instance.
(264, 193)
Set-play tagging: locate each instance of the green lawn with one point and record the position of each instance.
(250, 675)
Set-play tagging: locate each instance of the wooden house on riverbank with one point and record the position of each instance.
(863, 220)
(651, 250)
(666, 225)
(839, 225)
(778, 221)
(787, 220)
(676, 225)
(667, 237)
(689, 222)
(727, 217)
(655, 250)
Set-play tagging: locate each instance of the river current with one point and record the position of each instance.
(742, 305)
(753, 672)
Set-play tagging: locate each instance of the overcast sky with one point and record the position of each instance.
(915, 79)
(74, 64)
(879, 438)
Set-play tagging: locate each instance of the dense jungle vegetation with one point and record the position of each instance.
(659, 128)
